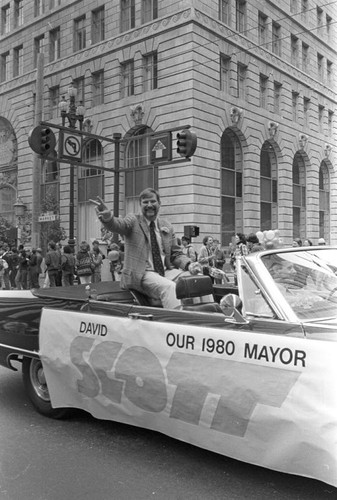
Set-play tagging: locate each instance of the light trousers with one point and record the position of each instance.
(160, 287)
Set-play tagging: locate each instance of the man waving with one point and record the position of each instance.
(151, 249)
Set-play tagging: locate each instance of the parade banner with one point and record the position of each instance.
(268, 400)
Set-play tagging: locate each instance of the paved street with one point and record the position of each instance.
(82, 458)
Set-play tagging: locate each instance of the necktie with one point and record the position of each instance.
(157, 262)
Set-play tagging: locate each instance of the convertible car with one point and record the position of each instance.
(247, 370)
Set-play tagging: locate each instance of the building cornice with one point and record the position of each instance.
(240, 42)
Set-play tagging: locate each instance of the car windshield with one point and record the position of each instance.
(307, 280)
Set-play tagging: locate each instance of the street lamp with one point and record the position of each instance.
(74, 114)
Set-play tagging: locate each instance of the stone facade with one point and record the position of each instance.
(248, 76)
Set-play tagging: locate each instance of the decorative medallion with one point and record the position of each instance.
(137, 113)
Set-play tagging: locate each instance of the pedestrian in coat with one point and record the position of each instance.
(3, 269)
(34, 268)
(206, 255)
(188, 249)
(67, 266)
(97, 259)
(53, 263)
(22, 275)
(84, 263)
(6, 257)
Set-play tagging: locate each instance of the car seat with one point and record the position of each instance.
(196, 294)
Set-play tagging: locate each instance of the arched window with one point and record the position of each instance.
(8, 169)
(138, 149)
(90, 185)
(324, 201)
(268, 187)
(231, 187)
(9, 146)
(7, 200)
(90, 181)
(299, 197)
(140, 174)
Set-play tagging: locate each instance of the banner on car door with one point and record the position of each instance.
(264, 399)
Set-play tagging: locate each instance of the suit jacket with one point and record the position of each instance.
(136, 233)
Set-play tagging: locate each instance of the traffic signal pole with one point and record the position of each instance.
(42, 140)
(36, 172)
(117, 138)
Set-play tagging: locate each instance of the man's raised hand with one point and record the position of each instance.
(103, 212)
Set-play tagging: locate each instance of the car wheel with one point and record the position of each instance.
(37, 390)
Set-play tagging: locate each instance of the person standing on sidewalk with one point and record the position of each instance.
(67, 266)
(84, 263)
(53, 263)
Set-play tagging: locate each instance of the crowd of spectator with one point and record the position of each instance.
(212, 256)
(23, 269)
(19, 268)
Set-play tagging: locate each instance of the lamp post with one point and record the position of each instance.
(74, 114)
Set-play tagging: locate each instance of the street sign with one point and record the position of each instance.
(161, 147)
(70, 145)
(47, 217)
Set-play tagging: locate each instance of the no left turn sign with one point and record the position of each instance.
(71, 146)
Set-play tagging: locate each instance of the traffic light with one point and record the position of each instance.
(186, 143)
(42, 140)
(191, 231)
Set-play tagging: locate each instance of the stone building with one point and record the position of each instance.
(255, 79)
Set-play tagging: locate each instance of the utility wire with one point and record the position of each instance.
(211, 59)
(256, 45)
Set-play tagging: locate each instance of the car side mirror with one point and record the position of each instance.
(231, 306)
